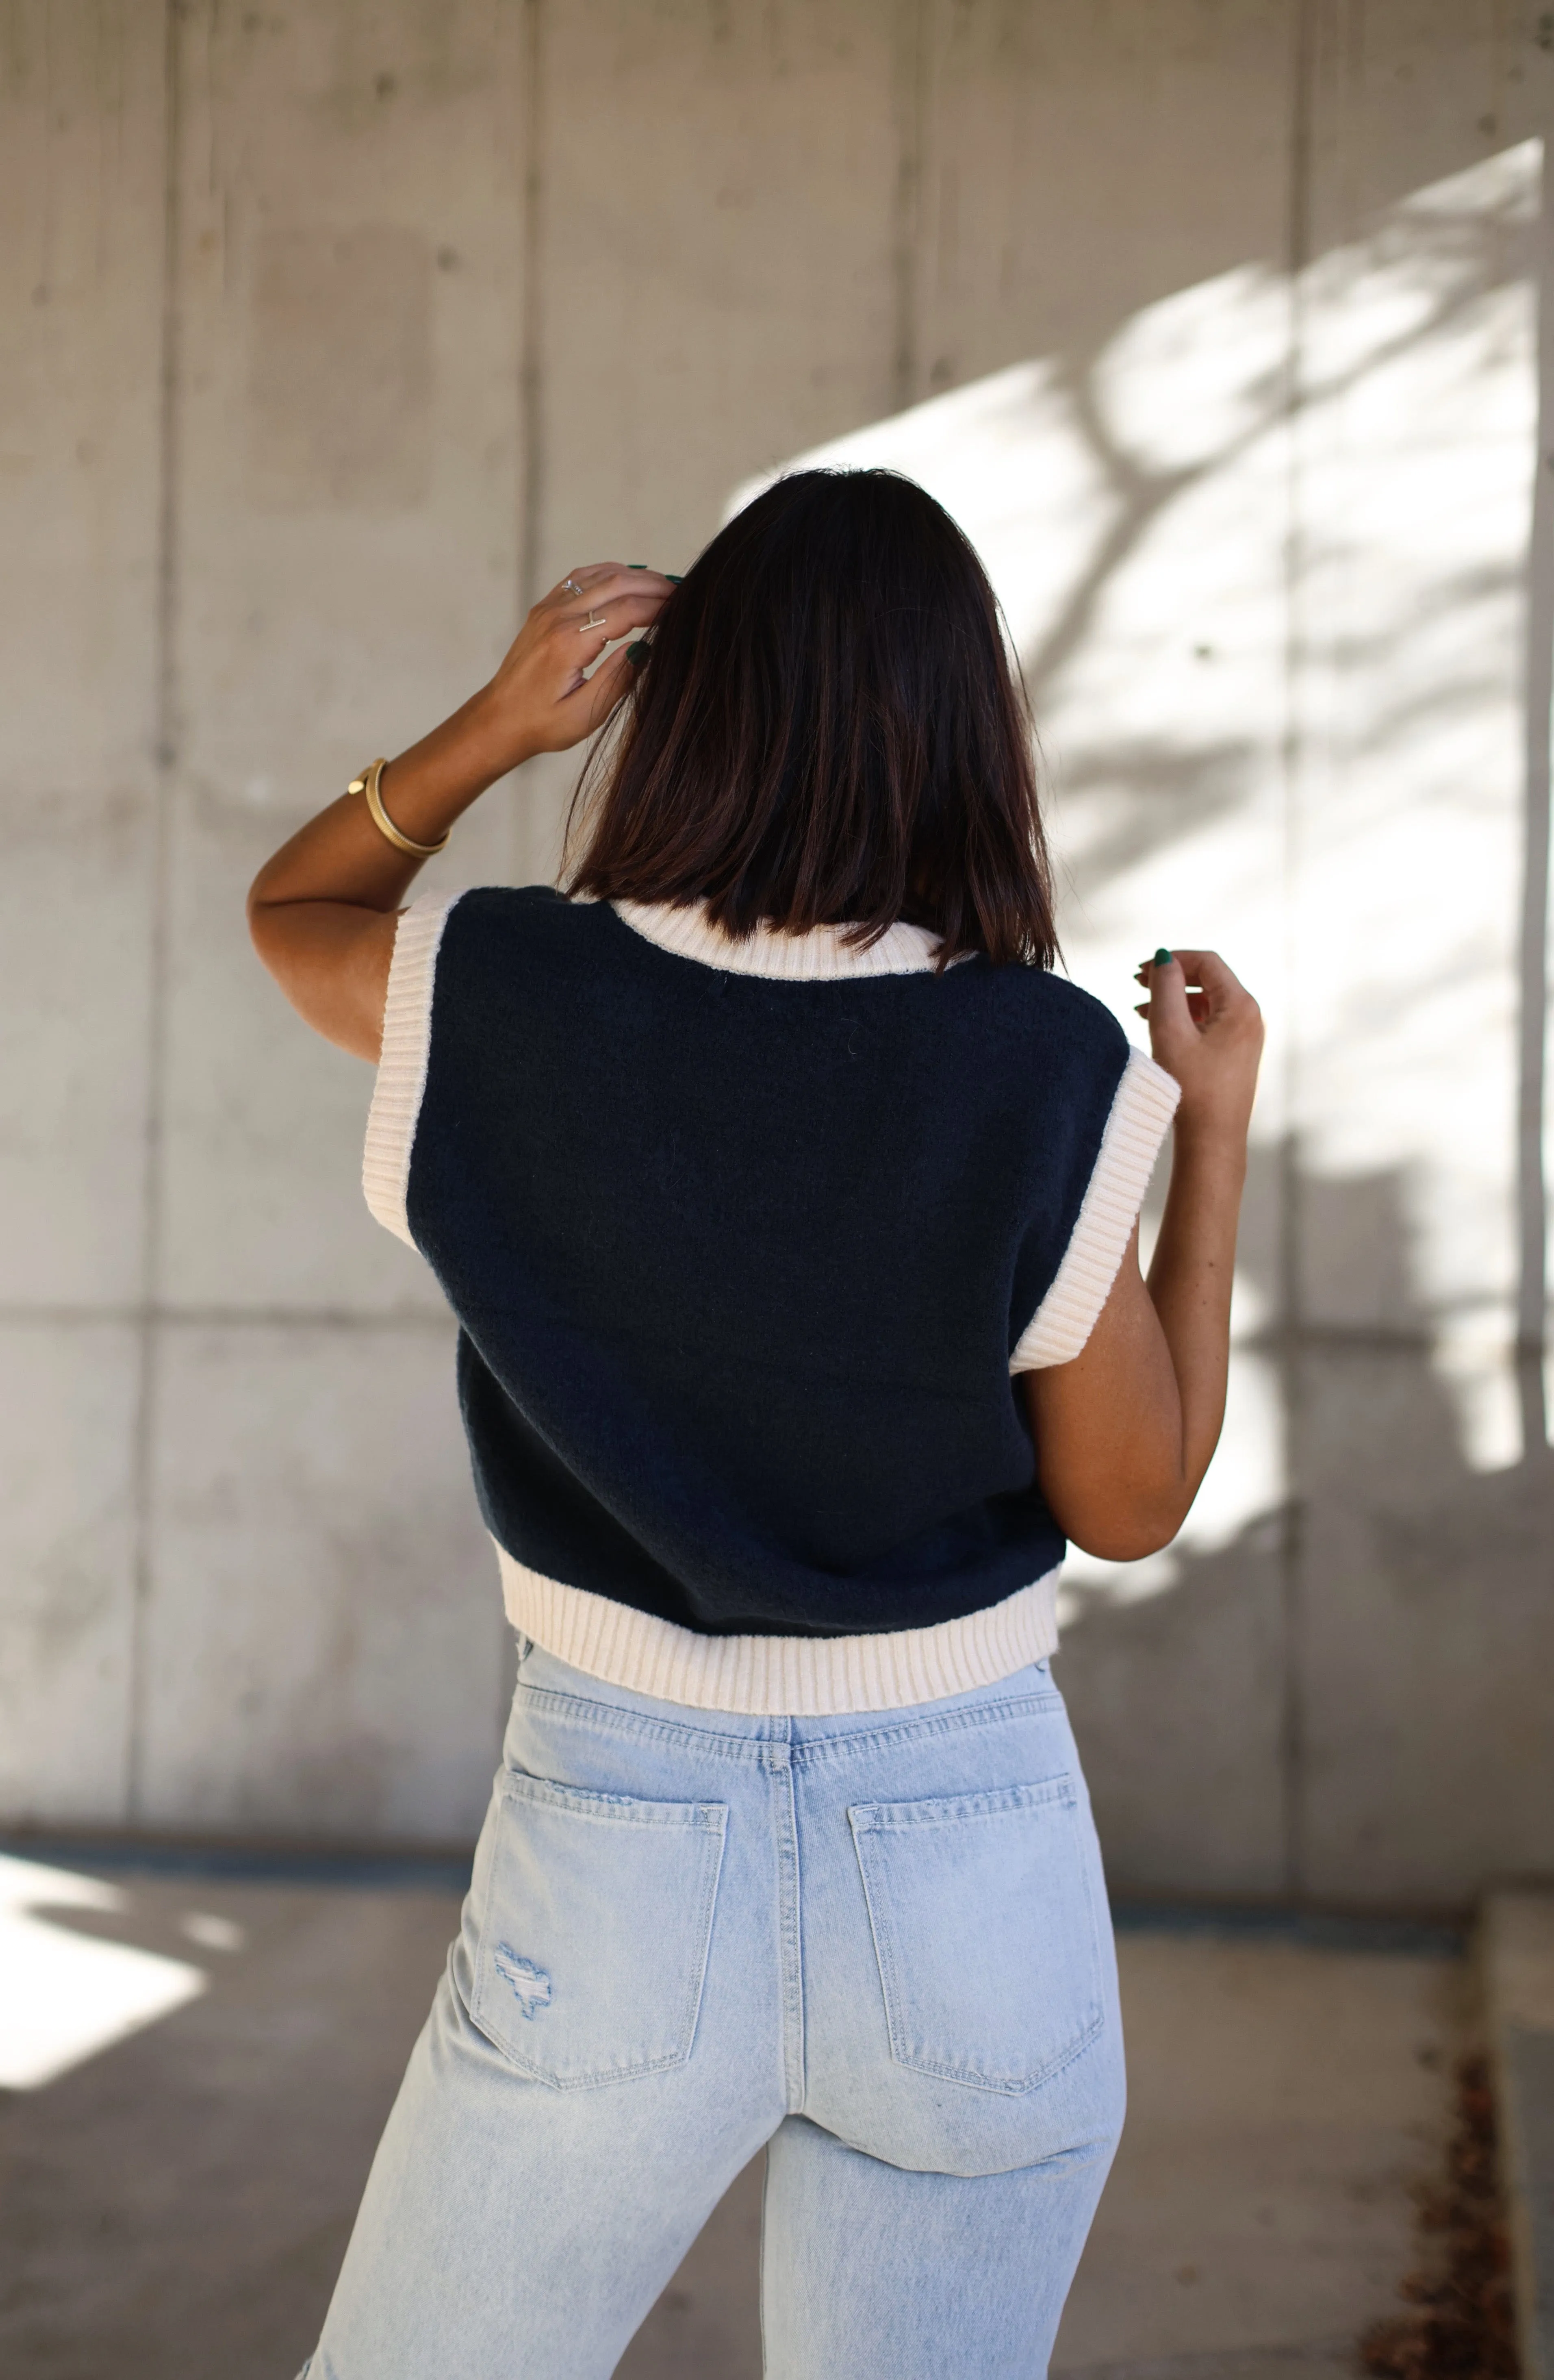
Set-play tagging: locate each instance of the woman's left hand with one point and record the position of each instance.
(1206, 1029)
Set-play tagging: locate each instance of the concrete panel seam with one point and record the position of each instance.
(1533, 957)
(1304, 45)
(913, 69)
(531, 351)
(158, 955)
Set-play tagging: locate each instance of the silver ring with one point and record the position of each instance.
(570, 587)
(584, 625)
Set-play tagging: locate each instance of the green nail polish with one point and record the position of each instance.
(1162, 959)
(673, 579)
(636, 565)
(637, 653)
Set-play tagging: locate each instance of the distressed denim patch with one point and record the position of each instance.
(531, 1984)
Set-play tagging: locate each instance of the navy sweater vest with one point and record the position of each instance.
(747, 1242)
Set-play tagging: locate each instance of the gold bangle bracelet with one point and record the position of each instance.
(368, 783)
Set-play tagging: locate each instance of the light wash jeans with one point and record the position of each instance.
(877, 1944)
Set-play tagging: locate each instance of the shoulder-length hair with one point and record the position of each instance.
(826, 729)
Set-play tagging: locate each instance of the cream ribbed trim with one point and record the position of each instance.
(819, 956)
(810, 1677)
(397, 1095)
(1140, 1117)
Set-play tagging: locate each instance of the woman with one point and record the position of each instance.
(787, 1202)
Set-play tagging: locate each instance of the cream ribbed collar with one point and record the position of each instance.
(819, 956)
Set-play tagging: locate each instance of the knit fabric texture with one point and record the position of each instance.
(745, 1242)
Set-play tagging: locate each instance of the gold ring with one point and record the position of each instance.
(584, 625)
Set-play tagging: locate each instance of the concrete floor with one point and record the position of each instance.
(175, 2203)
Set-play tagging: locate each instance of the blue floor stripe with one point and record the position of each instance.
(245, 1864)
(447, 1871)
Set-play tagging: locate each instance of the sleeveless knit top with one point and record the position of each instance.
(746, 1242)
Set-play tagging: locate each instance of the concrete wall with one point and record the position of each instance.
(334, 332)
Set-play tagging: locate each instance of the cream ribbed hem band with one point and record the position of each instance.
(401, 1084)
(1141, 1113)
(809, 1677)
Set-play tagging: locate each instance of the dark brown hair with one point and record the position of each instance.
(826, 729)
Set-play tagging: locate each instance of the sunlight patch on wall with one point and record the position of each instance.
(1274, 651)
(1416, 468)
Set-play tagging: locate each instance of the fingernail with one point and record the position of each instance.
(1162, 959)
(636, 654)
(674, 579)
(636, 565)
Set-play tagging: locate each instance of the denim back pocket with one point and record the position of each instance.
(984, 1925)
(595, 1928)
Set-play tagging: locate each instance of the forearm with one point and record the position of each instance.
(341, 855)
(1124, 1432)
(323, 911)
(1190, 1280)
(543, 698)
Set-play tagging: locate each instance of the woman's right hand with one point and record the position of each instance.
(1209, 1037)
(539, 699)
(321, 911)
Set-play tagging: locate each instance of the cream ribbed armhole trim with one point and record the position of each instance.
(1140, 1118)
(401, 1084)
(809, 1677)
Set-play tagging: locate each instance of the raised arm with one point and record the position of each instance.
(1124, 1432)
(324, 910)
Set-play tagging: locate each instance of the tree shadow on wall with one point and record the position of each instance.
(1351, 1702)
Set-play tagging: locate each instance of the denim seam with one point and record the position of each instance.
(1045, 2074)
(614, 1809)
(880, 1929)
(705, 1918)
(610, 1718)
(790, 1887)
(600, 2077)
(956, 1810)
(948, 1723)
